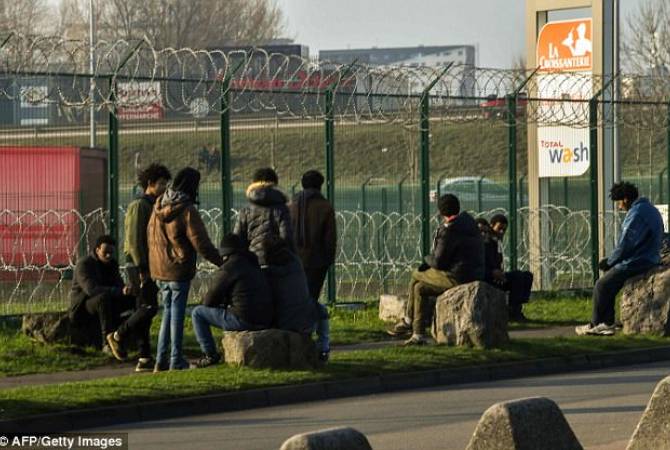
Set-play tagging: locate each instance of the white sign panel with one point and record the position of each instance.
(564, 55)
(140, 100)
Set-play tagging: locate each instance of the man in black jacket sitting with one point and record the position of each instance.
(517, 283)
(98, 292)
(457, 258)
(239, 299)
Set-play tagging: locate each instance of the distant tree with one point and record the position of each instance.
(646, 46)
(24, 16)
(179, 23)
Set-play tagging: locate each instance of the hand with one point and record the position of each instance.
(603, 265)
(144, 277)
(498, 276)
(423, 267)
(127, 290)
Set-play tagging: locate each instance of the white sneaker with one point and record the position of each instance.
(602, 329)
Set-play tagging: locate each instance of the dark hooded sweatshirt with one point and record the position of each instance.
(266, 216)
(458, 248)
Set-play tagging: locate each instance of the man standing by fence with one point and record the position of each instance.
(154, 181)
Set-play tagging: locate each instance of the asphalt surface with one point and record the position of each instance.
(603, 408)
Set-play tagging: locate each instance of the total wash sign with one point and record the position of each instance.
(564, 53)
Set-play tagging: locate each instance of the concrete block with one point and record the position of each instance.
(653, 430)
(341, 438)
(391, 307)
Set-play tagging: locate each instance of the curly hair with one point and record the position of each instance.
(624, 190)
(153, 173)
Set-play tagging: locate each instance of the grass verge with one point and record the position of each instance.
(31, 400)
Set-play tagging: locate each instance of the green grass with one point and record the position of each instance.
(30, 400)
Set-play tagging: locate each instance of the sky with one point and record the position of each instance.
(495, 27)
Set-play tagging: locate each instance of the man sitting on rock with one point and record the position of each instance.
(457, 258)
(239, 299)
(517, 283)
(637, 251)
(294, 308)
(98, 293)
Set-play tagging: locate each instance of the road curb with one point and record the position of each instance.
(283, 395)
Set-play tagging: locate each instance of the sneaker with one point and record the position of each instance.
(182, 365)
(115, 346)
(107, 351)
(161, 367)
(324, 356)
(602, 329)
(416, 339)
(518, 317)
(145, 365)
(208, 360)
(400, 329)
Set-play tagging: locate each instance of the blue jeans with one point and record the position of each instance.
(205, 316)
(322, 328)
(175, 295)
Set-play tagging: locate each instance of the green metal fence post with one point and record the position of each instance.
(593, 181)
(113, 165)
(660, 185)
(668, 164)
(330, 177)
(424, 173)
(225, 170)
(382, 239)
(478, 193)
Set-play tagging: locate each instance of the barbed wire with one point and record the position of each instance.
(376, 251)
(263, 82)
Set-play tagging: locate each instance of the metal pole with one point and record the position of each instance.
(424, 172)
(668, 164)
(226, 175)
(330, 178)
(382, 240)
(511, 181)
(113, 164)
(593, 162)
(91, 58)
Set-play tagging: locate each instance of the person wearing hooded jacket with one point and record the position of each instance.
(457, 258)
(176, 235)
(239, 299)
(266, 216)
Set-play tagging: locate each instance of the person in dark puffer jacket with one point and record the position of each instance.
(266, 216)
(239, 299)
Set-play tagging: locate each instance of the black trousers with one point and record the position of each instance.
(605, 291)
(518, 283)
(315, 279)
(139, 322)
(107, 308)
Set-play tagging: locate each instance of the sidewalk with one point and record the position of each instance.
(125, 369)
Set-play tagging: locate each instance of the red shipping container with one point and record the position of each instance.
(44, 194)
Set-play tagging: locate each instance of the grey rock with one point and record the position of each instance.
(645, 303)
(341, 438)
(269, 349)
(524, 424)
(653, 430)
(472, 314)
(391, 307)
(56, 328)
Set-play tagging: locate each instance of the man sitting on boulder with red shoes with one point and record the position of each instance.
(638, 250)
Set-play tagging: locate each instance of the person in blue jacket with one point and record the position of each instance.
(638, 250)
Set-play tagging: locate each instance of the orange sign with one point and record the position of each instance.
(565, 46)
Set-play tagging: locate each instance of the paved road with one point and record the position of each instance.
(603, 408)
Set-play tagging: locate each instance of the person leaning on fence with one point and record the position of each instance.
(239, 299)
(265, 216)
(176, 234)
(294, 309)
(638, 250)
(98, 293)
(315, 236)
(516, 283)
(457, 257)
(154, 181)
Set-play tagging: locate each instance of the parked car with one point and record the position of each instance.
(495, 106)
(475, 193)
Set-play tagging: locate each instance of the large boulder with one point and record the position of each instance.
(472, 314)
(342, 438)
(653, 430)
(391, 307)
(269, 349)
(524, 424)
(56, 328)
(645, 303)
